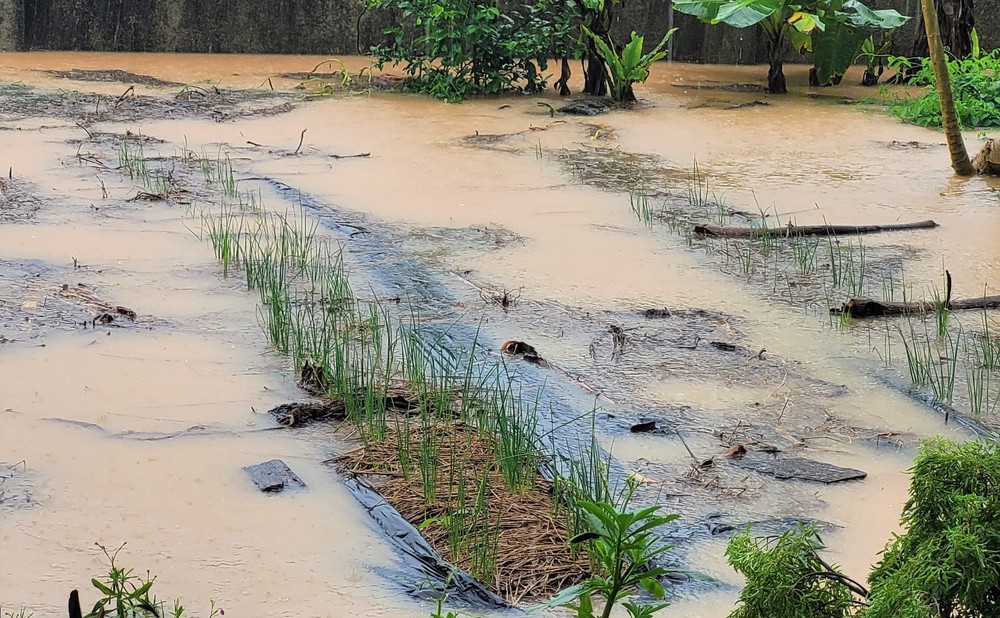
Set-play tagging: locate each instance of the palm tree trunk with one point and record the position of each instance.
(949, 118)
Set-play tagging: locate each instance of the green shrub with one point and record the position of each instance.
(946, 564)
(454, 49)
(975, 83)
(786, 578)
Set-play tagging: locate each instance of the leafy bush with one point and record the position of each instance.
(786, 578)
(453, 49)
(630, 66)
(975, 84)
(946, 564)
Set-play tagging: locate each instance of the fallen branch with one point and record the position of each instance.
(807, 230)
(868, 308)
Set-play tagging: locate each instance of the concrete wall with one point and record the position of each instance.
(10, 25)
(334, 27)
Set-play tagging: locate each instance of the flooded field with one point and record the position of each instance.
(135, 375)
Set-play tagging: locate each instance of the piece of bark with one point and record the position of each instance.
(273, 476)
(807, 230)
(802, 469)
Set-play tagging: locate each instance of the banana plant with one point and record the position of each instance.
(833, 30)
(630, 66)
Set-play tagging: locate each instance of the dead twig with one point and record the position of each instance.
(302, 137)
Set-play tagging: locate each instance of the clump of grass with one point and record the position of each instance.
(638, 200)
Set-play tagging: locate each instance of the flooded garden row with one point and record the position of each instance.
(465, 349)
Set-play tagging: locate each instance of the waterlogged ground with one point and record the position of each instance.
(137, 429)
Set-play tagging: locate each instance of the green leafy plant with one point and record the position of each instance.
(127, 595)
(875, 58)
(833, 30)
(946, 564)
(630, 66)
(454, 49)
(975, 87)
(786, 578)
(623, 549)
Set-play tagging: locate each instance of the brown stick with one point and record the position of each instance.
(868, 308)
(808, 230)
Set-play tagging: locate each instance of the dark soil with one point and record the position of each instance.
(112, 75)
(18, 102)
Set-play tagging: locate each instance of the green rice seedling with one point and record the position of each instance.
(697, 193)
(638, 200)
(486, 546)
(932, 362)
(888, 287)
(429, 452)
(516, 451)
(915, 361)
(977, 379)
(804, 253)
(744, 251)
(887, 345)
(943, 369)
(403, 433)
(275, 317)
(836, 261)
(857, 270)
(942, 311)
(132, 159)
(220, 233)
(988, 344)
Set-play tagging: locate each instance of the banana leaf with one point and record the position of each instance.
(835, 49)
(736, 13)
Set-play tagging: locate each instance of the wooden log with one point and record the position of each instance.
(807, 230)
(868, 308)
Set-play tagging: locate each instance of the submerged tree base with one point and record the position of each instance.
(987, 160)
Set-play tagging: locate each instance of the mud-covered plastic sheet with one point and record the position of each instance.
(437, 576)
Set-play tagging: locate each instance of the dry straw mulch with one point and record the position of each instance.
(533, 558)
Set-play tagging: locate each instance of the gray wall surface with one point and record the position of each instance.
(339, 26)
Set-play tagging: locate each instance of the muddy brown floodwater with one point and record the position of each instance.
(136, 431)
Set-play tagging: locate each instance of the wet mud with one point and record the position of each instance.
(701, 370)
(20, 102)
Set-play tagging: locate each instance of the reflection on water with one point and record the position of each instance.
(183, 504)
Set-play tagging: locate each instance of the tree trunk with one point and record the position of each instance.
(775, 72)
(955, 21)
(949, 118)
(595, 73)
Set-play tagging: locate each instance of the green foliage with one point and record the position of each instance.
(629, 67)
(948, 562)
(126, 595)
(946, 565)
(623, 548)
(975, 85)
(832, 29)
(454, 49)
(785, 577)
